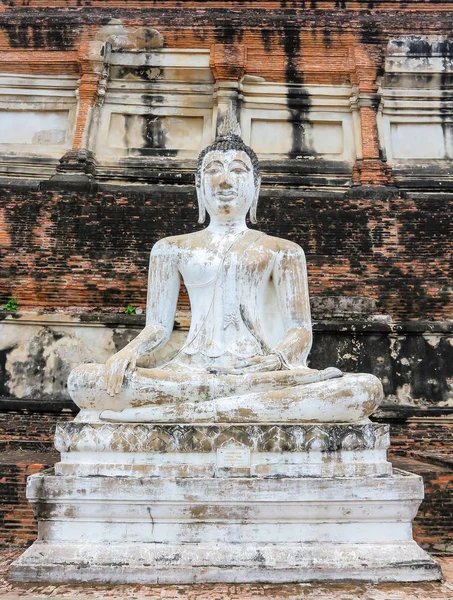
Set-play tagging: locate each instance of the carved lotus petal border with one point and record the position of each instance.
(144, 437)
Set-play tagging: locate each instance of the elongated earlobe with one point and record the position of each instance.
(201, 212)
(254, 206)
(253, 212)
(201, 206)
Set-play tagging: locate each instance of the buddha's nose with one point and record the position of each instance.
(225, 182)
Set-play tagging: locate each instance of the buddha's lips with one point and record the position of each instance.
(226, 195)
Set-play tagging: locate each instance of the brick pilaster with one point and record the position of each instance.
(370, 169)
(79, 163)
(228, 66)
(92, 60)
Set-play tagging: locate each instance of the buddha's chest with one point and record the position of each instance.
(242, 268)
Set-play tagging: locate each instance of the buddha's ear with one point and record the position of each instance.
(201, 206)
(254, 206)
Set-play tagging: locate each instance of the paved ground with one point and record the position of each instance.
(345, 591)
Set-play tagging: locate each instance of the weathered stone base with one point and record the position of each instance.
(218, 562)
(181, 530)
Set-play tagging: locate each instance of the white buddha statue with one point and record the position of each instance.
(245, 356)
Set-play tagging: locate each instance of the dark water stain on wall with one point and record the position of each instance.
(42, 33)
(111, 295)
(21, 220)
(445, 48)
(326, 37)
(419, 47)
(371, 30)
(297, 100)
(33, 371)
(153, 132)
(122, 337)
(229, 29)
(266, 36)
(427, 364)
(291, 46)
(354, 354)
(414, 367)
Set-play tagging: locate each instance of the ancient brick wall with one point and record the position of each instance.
(26, 429)
(92, 250)
(425, 447)
(17, 523)
(26, 447)
(422, 436)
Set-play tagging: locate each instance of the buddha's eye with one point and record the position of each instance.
(238, 170)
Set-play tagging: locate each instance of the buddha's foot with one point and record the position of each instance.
(201, 412)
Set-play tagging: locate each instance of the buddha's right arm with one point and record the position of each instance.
(163, 292)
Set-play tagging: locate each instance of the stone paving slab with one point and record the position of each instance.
(306, 591)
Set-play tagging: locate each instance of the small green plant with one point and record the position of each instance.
(11, 305)
(130, 310)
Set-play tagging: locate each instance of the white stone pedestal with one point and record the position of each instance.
(140, 503)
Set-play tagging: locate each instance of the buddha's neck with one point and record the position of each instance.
(227, 226)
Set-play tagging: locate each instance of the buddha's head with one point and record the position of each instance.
(228, 179)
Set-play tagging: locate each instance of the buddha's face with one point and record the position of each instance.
(227, 185)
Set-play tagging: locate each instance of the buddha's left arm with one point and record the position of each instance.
(291, 285)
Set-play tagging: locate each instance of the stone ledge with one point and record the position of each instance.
(195, 563)
(340, 315)
(396, 487)
(317, 590)
(49, 404)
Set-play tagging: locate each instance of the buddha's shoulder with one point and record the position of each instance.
(175, 243)
(280, 245)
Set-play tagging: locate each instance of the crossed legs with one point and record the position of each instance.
(170, 395)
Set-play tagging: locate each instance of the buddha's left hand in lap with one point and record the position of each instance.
(257, 364)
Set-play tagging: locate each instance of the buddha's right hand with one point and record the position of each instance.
(117, 368)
